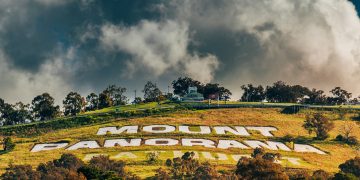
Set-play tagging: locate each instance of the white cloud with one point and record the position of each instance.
(315, 43)
(17, 85)
(159, 47)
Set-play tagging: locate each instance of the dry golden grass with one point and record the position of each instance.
(286, 124)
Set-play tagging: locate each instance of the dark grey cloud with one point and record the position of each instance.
(84, 45)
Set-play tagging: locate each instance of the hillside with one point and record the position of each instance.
(286, 124)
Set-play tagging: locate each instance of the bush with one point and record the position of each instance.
(70, 167)
(258, 168)
(20, 171)
(345, 176)
(152, 157)
(339, 138)
(8, 144)
(351, 166)
(352, 140)
(320, 175)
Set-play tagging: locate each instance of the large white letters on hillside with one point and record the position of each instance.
(270, 145)
(46, 147)
(159, 128)
(306, 148)
(265, 131)
(241, 131)
(198, 142)
(226, 144)
(218, 131)
(236, 130)
(161, 142)
(203, 130)
(84, 144)
(122, 142)
(115, 130)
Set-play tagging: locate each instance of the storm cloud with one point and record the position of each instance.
(84, 45)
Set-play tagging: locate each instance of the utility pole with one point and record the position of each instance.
(135, 98)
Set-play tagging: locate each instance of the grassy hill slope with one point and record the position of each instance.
(287, 124)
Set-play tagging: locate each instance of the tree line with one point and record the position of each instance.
(43, 106)
(280, 92)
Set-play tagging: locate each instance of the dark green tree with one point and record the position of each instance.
(182, 84)
(316, 97)
(73, 104)
(15, 114)
(43, 107)
(104, 101)
(215, 89)
(116, 95)
(281, 92)
(340, 96)
(92, 102)
(151, 92)
(253, 93)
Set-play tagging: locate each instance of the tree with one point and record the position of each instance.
(116, 94)
(72, 104)
(347, 129)
(43, 107)
(281, 92)
(66, 167)
(104, 101)
(319, 124)
(182, 84)
(340, 96)
(137, 100)
(15, 114)
(151, 92)
(92, 102)
(252, 93)
(215, 89)
(316, 97)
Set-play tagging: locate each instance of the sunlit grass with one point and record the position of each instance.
(286, 124)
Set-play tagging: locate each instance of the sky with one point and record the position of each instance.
(58, 46)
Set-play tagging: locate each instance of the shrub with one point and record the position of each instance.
(20, 171)
(352, 140)
(8, 144)
(351, 166)
(320, 175)
(298, 174)
(288, 138)
(339, 138)
(345, 176)
(152, 157)
(258, 168)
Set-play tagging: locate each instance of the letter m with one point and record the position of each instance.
(115, 130)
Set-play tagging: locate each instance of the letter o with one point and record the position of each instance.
(159, 128)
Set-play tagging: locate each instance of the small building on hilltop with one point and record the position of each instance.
(193, 96)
